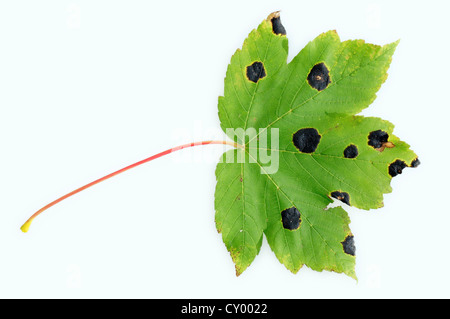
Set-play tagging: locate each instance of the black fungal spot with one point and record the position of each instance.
(415, 162)
(349, 245)
(277, 27)
(351, 151)
(256, 71)
(319, 77)
(378, 138)
(342, 196)
(396, 168)
(291, 218)
(306, 139)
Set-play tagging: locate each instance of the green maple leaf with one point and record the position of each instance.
(306, 110)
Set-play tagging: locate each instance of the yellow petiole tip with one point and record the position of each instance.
(26, 226)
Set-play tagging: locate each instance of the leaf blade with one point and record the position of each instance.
(326, 152)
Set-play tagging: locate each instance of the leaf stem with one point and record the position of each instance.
(27, 224)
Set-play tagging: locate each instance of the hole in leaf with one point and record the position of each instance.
(291, 218)
(256, 71)
(319, 77)
(306, 140)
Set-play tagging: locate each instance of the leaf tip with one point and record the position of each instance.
(415, 162)
(274, 20)
(237, 265)
(275, 14)
(392, 46)
(352, 275)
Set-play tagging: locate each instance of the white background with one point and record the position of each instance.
(87, 87)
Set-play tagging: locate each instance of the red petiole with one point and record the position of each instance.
(27, 224)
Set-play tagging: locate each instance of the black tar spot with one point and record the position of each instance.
(396, 167)
(277, 27)
(351, 151)
(342, 196)
(256, 71)
(291, 218)
(415, 162)
(319, 77)
(377, 138)
(306, 140)
(349, 245)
